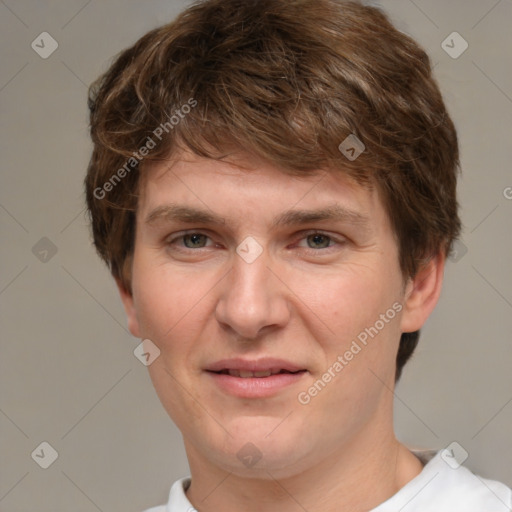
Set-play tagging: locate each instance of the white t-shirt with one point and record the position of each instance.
(438, 488)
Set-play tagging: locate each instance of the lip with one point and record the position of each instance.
(259, 365)
(254, 387)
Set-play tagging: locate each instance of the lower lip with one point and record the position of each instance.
(255, 387)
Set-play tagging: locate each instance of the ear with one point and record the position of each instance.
(129, 307)
(422, 293)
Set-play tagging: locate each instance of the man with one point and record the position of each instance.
(273, 185)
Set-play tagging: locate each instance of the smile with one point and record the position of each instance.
(260, 384)
(245, 374)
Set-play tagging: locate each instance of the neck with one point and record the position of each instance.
(356, 478)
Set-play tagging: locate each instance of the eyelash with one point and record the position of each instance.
(304, 235)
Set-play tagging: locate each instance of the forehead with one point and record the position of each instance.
(246, 183)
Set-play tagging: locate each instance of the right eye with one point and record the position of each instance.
(191, 240)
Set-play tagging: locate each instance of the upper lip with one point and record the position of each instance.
(259, 365)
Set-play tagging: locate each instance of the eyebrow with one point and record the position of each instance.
(191, 215)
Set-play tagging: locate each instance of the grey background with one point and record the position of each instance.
(68, 375)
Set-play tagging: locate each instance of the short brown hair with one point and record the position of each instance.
(288, 80)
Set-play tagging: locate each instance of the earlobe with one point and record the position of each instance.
(422, 293)
(129, 307)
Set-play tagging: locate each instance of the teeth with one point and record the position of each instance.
(266, 373)
(247, 374)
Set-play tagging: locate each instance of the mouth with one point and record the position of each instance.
(257, 382)
(247, 374)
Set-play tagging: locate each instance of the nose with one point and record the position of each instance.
(253, 300)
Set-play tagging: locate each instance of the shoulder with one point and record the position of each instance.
(441, 486)
(178, 501)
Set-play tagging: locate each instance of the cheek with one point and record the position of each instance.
(358, 345)
(171, 308)
(164, 300)
(354, 314)
(343, 302)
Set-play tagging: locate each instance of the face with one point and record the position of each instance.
(277, 304)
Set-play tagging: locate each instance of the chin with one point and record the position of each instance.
(257, 449)
(267, 465)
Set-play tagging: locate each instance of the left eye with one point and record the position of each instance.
(194, 240)
(316, 241)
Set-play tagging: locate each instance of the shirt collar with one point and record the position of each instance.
(437, 484)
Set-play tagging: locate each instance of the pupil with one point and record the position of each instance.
(194, 239)
(320, 240)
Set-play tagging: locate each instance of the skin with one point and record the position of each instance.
(304, 299)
